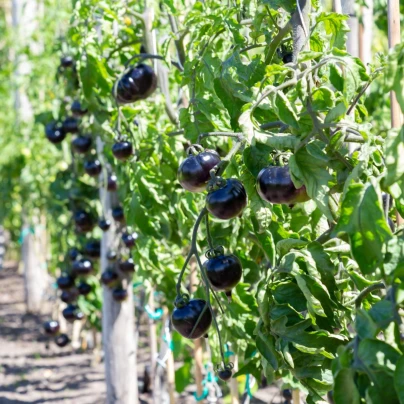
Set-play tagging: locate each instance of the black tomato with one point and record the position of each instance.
(65, 282)
(82, 267)
(83, 220)
(137, 83)
(62, 340)
(119, 294)
(66, 61)
(54, 132)
(127, 266)
(129, 239)
(287, 57)
(93, 248)
(224, 272)
(73, 253)
(104, 224)
(194, 172)
(51, 327)
(69, 313)
(70, 125)
(118, 214)
(228, 201)
(93, 167)
(84, 288)
(122, 150)
(112, 255)
(68, 296)
(112, 183)
(82, 144)
(77, 109)
(275, 185)
(225, 374)
(109, 277)
(193, 319)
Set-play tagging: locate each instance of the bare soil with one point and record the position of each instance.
(34, 370)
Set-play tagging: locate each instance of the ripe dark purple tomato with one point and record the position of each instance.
(84, 288)
(228, 201)
(70, 125)
(83, 220)
(193, 319)
(194, 172)
(62, 340)
(93, 248)
(66, 62)
(119, 294)
(82, 267)
(109, 277)
(122, 150)
(137, 83)
(69, 313)
(127, 265)
(82, 144)
(112, 255)
(275, 185)
(287, 57)
(224, 272)
(65, 282)
(73, 253)
(112, 183)
(54, 132)
(77, 109)
(104, 224)
(68, 296)
(225, 374)
(118, 214)
(51, 327)
(93, 167)
(129, 239)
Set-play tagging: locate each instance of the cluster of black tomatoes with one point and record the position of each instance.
(226, 199)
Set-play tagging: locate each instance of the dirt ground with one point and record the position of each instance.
(33, 372)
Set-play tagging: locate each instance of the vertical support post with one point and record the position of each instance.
(233, 382)
(393, 16)
(117, 322)
(366, 33)
(198, 350)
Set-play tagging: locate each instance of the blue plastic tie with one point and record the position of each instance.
(247, 385)
(228, 353)
(202, 396)
(247, 380)
(24, 233)
(156, 315)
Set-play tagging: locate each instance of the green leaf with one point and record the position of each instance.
(399, 379)
(183, 377)
(345, 390)
(336, 27)
(394, 75)
(310, 166)
(284, 246)
(366, 237)
(394, 158)
(323, 99)
(285, 110)
(288, 5)
(266, 346)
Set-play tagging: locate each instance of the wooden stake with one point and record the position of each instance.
(170, 367)
(153, 348)
(235, 399)
(296, 396)
(198, 351)
(393, 16)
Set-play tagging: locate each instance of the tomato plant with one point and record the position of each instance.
(230, 124)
